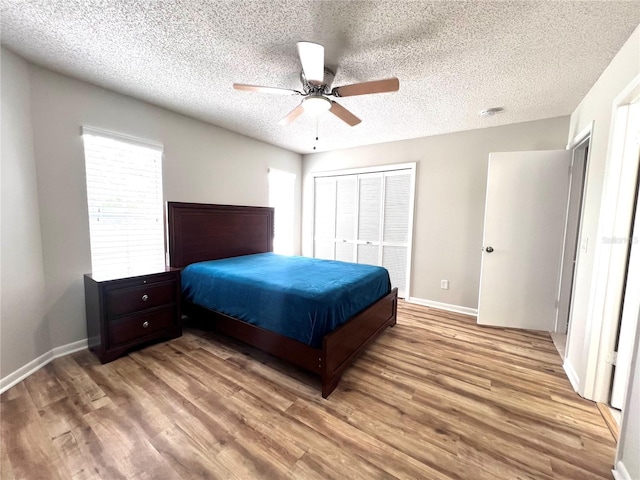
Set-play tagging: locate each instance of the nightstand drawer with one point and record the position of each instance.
(122, 301)
(136, 327)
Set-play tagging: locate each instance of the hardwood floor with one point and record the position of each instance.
(436, 397)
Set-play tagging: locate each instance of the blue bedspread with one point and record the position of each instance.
(299, 297)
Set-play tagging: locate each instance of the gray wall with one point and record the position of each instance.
(24, 330)
(450, 195)
(201, 163)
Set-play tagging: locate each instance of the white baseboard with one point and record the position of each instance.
(621, 472)
(443, 306)
(33, 366)
(572, 376)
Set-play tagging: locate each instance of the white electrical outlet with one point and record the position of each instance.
(444, 284)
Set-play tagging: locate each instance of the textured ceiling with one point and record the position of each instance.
(536, 59)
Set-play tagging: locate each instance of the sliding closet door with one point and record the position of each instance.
(396, 221)
(346, 218)
(369, 218)
(366, 217)
(324, 218)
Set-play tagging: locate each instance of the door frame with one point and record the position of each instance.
(608, 276)
(620, 380)
(579, 141)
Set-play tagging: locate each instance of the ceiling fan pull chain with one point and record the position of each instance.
(317, 122)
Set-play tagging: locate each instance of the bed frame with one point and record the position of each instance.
(199, 232)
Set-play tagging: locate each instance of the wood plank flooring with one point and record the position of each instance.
(436, 397)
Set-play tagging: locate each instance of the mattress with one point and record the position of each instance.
(298, 297)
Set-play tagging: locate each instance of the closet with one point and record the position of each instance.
(366, 216)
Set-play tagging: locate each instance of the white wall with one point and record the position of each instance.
(24, 331)
(450, 195)
(201, 163)
(588, 332)
(597, 106)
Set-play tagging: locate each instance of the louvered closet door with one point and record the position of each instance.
(369, 218)
(325, 218)
(366, 218)
(396, 226)
(346, 187)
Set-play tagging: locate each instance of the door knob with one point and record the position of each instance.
(488, 249)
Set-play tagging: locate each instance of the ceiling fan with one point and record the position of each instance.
(316, 81)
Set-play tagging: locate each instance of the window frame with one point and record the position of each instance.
(159, 242)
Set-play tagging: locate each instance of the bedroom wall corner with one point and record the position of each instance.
(201, 163)
(24, 327)
(451, 177)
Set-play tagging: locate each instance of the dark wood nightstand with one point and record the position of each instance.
(129, 311)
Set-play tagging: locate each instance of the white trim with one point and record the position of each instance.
(33, 366)
(571, 375)
(412, 214)
(609, 265)
(621, 472)
(357, 171)
(579, 141)
(443, 306)
(121, 137)
(581, 137)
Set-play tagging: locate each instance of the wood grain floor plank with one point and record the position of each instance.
(436, 397)
(28, 445)
(308, 440)
(364, 445)
(77, 461)
(191, 460)
(6, 470)
(43, 386)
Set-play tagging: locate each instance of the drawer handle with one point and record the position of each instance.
(145, 324)
(145, 297)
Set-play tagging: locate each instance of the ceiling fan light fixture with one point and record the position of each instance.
(315, 105)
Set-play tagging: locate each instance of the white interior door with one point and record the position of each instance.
(346, 213)
(396, 230)
(324, 218)
(525, 210)
(369, 218)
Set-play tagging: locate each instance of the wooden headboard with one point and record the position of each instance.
(199, 232)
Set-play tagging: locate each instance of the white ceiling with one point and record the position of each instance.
(536, 59)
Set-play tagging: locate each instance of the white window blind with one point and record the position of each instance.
(282, 198)
(124, 194)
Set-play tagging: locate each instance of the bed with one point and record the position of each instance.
(201, 233)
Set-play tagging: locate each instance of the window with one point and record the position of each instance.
(282, 198)
(124, 194)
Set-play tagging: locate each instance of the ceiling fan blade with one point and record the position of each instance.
(293, 114)
(312, 60)
(259, 89)
(376, 86)
(344, 114)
